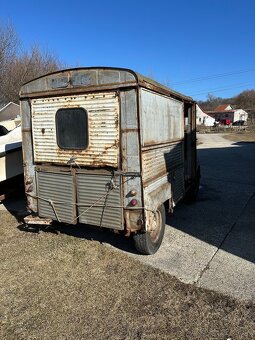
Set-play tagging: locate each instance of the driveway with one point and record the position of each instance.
(212, 243)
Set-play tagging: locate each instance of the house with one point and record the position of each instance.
(9, 111)
(203, 118)
(10, 116)
(227, 112)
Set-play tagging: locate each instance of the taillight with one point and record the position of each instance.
(133, 202)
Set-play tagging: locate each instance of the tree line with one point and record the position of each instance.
(245, 100)
(18, 66)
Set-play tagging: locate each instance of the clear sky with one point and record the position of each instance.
(192, 46)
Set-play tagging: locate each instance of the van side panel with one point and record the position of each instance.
(161, 118)
(162, 148)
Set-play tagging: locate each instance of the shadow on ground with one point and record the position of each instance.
(83, 231)
(224, 214)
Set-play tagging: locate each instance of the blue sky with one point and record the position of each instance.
(181, 44)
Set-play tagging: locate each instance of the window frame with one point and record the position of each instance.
(57, 128)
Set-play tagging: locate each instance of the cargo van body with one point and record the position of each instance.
(107, 147)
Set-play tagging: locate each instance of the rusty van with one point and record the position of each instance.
(107, 147)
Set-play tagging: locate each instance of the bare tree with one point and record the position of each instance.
(9, 43)
(246, 100)
(19, 68)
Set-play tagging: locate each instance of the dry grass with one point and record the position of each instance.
(241, 136)
(62, 287)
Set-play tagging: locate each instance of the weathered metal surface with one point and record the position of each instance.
(103, 129)
(84, 77)
(28, 158)
(130, 153)
(158, 192)
(96, 189)
(60, 190)
(91, 77)
(78, 90)
(169, 186)
(161, 118)
(158, 161)
(177, 183)
(162, 149)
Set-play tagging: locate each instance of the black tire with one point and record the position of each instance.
(3, 130)
(148, 243)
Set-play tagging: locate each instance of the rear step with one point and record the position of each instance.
(36, 220)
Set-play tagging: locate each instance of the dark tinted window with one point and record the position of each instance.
(72, 128)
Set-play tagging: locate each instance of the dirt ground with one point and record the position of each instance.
(57, 286)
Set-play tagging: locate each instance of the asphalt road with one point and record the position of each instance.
(212, 243)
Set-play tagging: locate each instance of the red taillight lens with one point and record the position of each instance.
(133, 202)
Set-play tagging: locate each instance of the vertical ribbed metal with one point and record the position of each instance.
(94, 188)
(58, 188)
(177, 183)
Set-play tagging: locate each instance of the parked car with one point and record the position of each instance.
(226, 121)
(239, 123)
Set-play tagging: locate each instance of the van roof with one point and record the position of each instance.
(86, 78)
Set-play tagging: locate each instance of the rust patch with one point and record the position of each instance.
(133, 220)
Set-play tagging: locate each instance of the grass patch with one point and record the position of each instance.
(62, 287)
(241, 136)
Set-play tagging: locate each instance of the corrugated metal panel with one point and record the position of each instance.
(103, 121)
(90, 188)
(161, 118)
(57, 188)
(177, 182)
(159, 161)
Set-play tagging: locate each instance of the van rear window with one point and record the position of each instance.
(72, 128)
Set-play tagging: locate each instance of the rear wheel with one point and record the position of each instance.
(149, 242)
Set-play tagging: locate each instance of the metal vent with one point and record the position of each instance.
(57, 188)
(93, 188)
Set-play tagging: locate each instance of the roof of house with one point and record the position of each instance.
(219, 111)
(221, 107)
(7, 105)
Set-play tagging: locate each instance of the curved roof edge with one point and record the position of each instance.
(125, 76)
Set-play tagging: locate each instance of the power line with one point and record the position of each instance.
(219, 75)
(223, 89)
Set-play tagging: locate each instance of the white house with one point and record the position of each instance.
(203, 118)
(9, 111)
(10, 116)
(226, 111)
